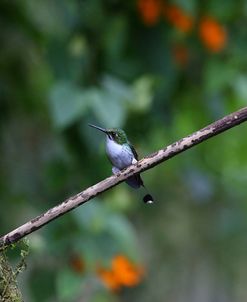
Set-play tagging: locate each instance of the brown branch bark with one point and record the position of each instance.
(144, 164)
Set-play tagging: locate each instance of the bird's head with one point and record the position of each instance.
(115, 134)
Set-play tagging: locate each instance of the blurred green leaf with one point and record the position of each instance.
(92, 216)
(68, 285)
(119, 90)
(51, 18)
(95, 218)
(142, 93)
(240, 87)
(67, 103)
(106, 108)
(116, 95)
(189, 6)
(218, 75)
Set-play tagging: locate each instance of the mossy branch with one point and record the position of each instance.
(144, 164)
(9, 291)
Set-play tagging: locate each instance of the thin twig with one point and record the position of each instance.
(146, 163)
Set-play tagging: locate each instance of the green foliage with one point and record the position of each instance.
(68, 284)
(68, 63)
(9, 291)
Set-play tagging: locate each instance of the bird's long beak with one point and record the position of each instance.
(99, 128)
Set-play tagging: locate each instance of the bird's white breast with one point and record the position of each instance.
(119, 155)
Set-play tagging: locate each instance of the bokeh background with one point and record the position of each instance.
(160, 70)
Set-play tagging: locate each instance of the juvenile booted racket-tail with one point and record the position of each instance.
(122, 154)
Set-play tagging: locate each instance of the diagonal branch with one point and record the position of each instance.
(144, 164)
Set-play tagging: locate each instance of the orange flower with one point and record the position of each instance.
(122, 273)
(149, 10)
(126, 272)
(109, 279)
(178, 18)
(212, 34)
(77, 264)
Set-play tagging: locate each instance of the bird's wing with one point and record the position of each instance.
(134, 151)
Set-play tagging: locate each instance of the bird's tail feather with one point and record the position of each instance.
(148, 198)
(136, 182)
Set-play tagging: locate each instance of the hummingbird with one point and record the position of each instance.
(122, 154)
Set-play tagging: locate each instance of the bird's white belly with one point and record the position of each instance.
(119, 155)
